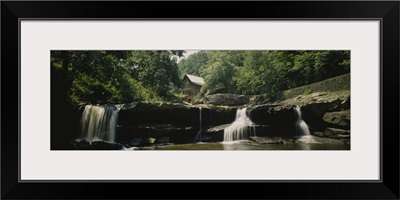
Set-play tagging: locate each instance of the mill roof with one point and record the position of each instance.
(195, 79)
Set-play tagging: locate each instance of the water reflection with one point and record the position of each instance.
(246, 145)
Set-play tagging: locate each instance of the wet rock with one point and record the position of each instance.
(163, 140)
(82, 145)
(272, 140)
(214, 134)
(334, 133)
(135, 142)
(152, 140)
(217, 128)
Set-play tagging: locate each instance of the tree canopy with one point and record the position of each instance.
(126, 76)
(114, 76)
(255, 72)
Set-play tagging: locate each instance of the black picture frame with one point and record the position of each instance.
(386, 11)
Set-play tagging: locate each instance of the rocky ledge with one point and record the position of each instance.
(326, 113)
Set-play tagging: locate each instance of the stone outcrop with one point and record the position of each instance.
(319, 110)
(226, 99)
(340, 119)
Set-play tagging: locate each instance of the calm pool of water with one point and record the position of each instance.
(252, 146)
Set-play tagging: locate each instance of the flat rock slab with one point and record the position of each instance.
(272, 140)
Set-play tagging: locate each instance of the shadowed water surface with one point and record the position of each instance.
(254, 146)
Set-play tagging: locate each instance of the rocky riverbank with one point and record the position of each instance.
(154, 123)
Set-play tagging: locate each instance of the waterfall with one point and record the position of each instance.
(198, 135)
(241, 129)
(99, 123)
(301, 126)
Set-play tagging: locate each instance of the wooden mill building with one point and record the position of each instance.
(191, 85)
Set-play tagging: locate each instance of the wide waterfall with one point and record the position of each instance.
(99, 123)
(241, 129)
(301, 125)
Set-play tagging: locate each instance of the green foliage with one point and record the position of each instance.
(155, 69)
(194, 64)
(113, 76)
(270, 72)
(307, 91)
(220, 71)
(126, 76)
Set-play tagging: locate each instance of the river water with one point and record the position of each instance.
(246, 145)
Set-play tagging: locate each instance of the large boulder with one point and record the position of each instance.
(281, 115)
(320, 103)
(316, 105)
(340, 119)
(226, 99)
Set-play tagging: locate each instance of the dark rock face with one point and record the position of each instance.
(280, 118)
(177, 122)
(226, 99)
(271, 114)
(161, 113)
(139, 113)
(163, 140)
(212, 136)
(136, 142)
(145, 132)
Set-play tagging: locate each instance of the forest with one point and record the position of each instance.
(112, 77)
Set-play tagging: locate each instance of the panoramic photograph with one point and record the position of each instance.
(200, 100)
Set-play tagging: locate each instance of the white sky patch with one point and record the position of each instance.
(187, 54)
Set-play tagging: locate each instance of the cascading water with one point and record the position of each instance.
(241, 129)
(99, 123)
(301, 126)
(198, 135)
